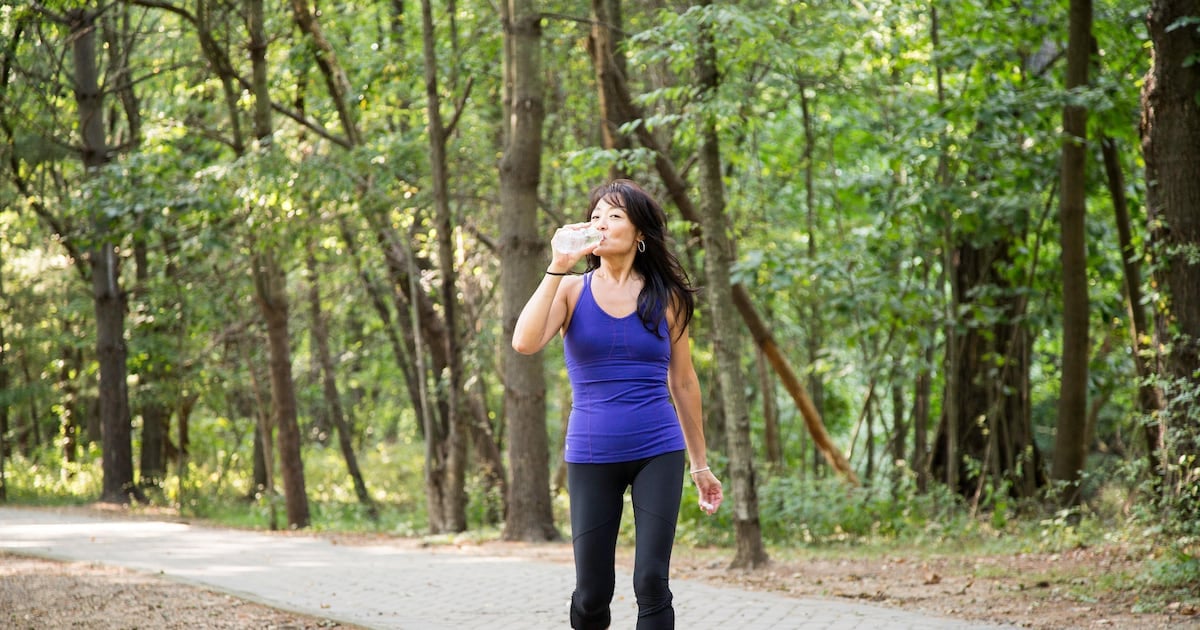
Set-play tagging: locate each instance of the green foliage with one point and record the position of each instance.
(1176, 569)
(797, 511)
(46, 479)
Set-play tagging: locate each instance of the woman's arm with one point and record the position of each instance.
(546, 311)
(685, 391)
(543, 315)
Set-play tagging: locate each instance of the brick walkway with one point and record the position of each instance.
(380, 586)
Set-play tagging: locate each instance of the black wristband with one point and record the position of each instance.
(555, 273)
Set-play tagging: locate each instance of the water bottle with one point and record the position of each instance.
(569, 241)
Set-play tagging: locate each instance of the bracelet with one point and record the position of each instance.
(555, 273)
(700, 470)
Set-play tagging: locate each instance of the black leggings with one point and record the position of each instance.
(597, 497)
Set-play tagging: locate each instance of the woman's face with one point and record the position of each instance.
(620, 235)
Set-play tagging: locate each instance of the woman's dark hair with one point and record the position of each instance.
(665, 281)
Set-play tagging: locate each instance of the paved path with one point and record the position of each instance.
(380, 586)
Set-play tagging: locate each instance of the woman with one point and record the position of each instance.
(625, 333)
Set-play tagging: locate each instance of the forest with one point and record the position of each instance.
(267, 256)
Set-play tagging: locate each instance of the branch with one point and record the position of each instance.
(459, 105)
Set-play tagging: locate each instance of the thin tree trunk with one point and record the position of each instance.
(264, 438)
(335, 77)
(446, 468)
(156, 413)
(773, 443)
(719, 258)
(920, 422)
(1149, 397)
(816, 332)
(270, 289)
(605, 42)
(5, 453)
(271, 295)
(899, 438)
(333, 398)
(529, 515)
(1070, 450)
(949, 448)
(71, 366)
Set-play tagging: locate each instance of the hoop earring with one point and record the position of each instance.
(642, 246)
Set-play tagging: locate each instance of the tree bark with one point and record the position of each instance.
(605, 42)
(446, 449)
(335, 77)
(329, 387)
(270, 289)
(1070, 449)
(772, 441)
(719, 258)
(529, 515)
(1171, 146)
(816, 332)
(980, 408)
(1149, 398)
(152, 382)
(5, 453)
(102, 258)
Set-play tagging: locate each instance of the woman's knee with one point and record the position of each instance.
(590, 613)
(652, 589)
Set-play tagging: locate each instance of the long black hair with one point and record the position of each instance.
(664, 280)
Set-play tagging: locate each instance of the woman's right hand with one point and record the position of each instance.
(709, 489)
(566, 260)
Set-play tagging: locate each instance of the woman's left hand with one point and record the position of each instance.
(709, 489)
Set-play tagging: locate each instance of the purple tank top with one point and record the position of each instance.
(621, 410)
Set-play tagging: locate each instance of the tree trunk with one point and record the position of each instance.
(446, 449)
(719, 258)
(335, 77)
(270, 291)
(981, 406)
(920, 421)
(816, 334)
(1070, 449)
(333, 398)
(608, 57)
(1171, 146)
(772, 442)
(271, 294)
(109, 299)
(152, 382)
(1149, 398)
(529, 514)
(5, 453)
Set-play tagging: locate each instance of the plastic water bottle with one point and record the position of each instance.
(569, 241)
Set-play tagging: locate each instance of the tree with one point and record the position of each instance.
(1070, 445)
(1171, 146)
(529, 514)
(270, 291)
(103, 262)
(445, 445)
(985, 434)
(719, 258)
